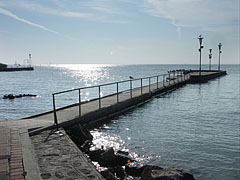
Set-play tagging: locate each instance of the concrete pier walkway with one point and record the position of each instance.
(29, 149)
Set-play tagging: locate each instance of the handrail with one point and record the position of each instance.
(107, 84)
(166, 77)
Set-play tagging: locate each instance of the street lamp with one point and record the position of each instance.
(210, 57)
(200, 50)
(219, 48)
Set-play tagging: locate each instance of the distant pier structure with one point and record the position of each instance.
(27, 66)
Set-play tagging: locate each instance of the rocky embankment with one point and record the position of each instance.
(12, 96)
(119, 165)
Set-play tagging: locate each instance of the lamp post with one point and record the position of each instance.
(210, 57)
(200, 50)
(219, 48)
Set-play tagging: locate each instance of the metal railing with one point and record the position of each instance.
(167, 79)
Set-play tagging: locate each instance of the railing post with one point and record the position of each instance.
(149, 84)
(117, 94)
(131, 88)
(174, 77)
(99, 96)
(157, 82)
(169, 77)
(163, 79)
(141, 87)
(79, 101)
(54, 111)
(177, 76)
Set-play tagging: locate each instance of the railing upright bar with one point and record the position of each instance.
(163, 79)
(54, 111)
(149, 84)
(99, 97)
(169, 78)
(131, 88)
(117, 94)
(79, 105)
(141, 87)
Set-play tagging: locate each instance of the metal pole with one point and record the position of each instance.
(117, 94)
(200, 64)
(131, 88)
(157, 82)
(149, 84)
(99, 96)
(219, 48)
(200, 50)
(174, 77)
(79, 106)
(141, 87)
(54, 111)
(169, 78)
(177, 76)
(219, 61)
(163, 79)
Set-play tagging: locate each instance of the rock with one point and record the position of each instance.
(79, 134)
(108, 158)
(86, 146)
(12, 96)
(108, 175)
(123, 152)
(119, 172)
(123, 159)
(171, 173)
(133, 169)
(9, 96)
(95, 155)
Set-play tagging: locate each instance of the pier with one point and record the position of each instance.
(24, 140)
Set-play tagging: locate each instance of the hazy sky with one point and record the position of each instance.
(118, 31)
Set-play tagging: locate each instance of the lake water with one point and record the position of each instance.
(195, 127)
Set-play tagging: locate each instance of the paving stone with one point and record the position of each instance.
(59, 157)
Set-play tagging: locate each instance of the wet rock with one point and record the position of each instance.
(8, 96)
(79, 134)
(108, 175)
(171, 173)
(12, 96)
(95, 155)
(123, 159)
(86, 146)
(123, 152)
(108, 158)
(119, 172)
(133, 169)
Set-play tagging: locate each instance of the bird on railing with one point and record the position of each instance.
(131, 77)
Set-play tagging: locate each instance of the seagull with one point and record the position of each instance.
(131, 77)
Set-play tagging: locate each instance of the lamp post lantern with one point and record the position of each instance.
(219, 48)
(200, 38)
(210, 57)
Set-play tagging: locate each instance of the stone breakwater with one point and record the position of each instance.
(12, 96)
(119, 165)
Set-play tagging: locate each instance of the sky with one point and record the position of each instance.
(118, 31)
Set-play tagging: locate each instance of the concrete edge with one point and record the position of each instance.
(29, 161)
